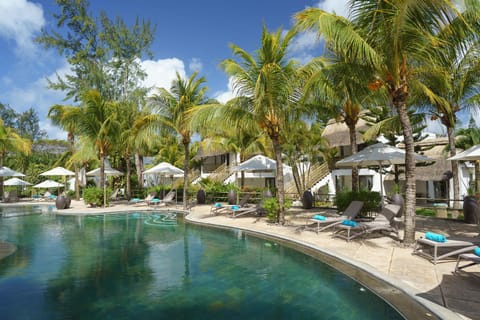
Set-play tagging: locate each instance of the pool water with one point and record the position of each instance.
(150, 266)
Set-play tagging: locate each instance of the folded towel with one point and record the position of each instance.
(477, 251)
(235, 207)
(217, 205)
(319, 217)
(349, 223)
(435, 237)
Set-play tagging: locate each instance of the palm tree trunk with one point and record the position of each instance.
(185, 174)
(453, 151)
(77, 184)
(102, 178)
(139, 168)
(128, 185)
(399, 99)
(353, 145)
(477, 177)
(279, 180)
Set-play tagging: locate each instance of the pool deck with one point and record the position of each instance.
(448, 295)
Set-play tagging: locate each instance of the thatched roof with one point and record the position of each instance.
(337, 133)
(201, 153)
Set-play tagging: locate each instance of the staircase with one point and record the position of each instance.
(220, 174)
(317, 173)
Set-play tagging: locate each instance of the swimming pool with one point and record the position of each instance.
(150, 266)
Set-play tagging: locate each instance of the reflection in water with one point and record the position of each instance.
(151, 266)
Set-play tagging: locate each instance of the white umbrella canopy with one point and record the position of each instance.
(16, 182)
(471, 154)
(164, 168)
(108, 172)
(257, 163)
(48, 184)
(58, 171)
(379, 154)
(7, 172)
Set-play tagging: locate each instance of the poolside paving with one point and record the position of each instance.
(450, 296)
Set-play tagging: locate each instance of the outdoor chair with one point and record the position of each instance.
(148, 198)
(167, 200)
(443, 250)
(383, 222)
(320, 223)
(219, 208)
(473, 259)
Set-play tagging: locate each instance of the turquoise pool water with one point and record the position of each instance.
(150, 266)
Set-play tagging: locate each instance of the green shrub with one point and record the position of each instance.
(94, 196)
(270, 205)
(371, 200)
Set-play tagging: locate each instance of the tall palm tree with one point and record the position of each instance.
(392, 38)
(11, 141)
(96, 120)
(172, 115)
(59, 114)
(452, 80)
(266, 84)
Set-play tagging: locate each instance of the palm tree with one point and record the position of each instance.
(452, 80)
(172, 115)
(96, 120)
(59, 114)
(392, 38)
(10, 141)
(265, 84)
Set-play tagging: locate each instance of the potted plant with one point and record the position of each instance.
(397, 198)
(471, 211)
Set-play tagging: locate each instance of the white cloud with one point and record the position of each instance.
(224, 96)
(160, 73)
(340, 7)
(195, 65)
(19, 20)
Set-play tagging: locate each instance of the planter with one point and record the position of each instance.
(232, 197)
(267, 194)
(201, 196)
(307, 200)
(471, 210)
(398, 200)
(68, 202)
(61, 202)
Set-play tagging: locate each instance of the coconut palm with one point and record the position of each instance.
(452, 80)
(96, 120)
(392, 38)
(11, 141)
(265, 84)
(171, 115)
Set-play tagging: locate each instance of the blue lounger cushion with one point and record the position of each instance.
(349, 223)
(217, 205)
(477, 251)
(235, 207)
(319, 217)
(435, 237)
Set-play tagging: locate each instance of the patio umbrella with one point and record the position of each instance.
(7, 172)
(471, 154)
(16, 182)
(48, 184)
(164, 168)
(58, 171)
(108, 172)
(380, 155)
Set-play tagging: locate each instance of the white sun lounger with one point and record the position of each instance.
(350, 213)
(473, 260)
(450, 248)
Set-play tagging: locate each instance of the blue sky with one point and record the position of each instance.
(190, 36)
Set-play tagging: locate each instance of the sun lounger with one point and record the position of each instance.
(319, 224)
(219, 208)
(253, 209)
(167, 200)
(383, 222)
(436, 251)
(473, 260)
(138, 201)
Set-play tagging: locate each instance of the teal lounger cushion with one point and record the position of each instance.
(349, 223)
(235, 207)
(217, 205)
(319, 217)
(435, 237)
(477, 251)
